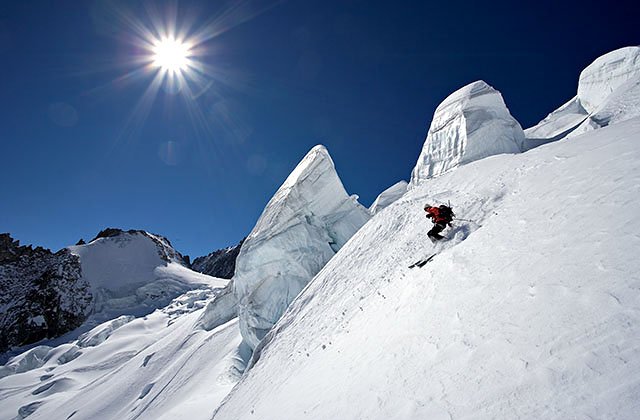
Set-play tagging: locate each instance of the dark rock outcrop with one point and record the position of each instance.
(220, 263)
(42, 294)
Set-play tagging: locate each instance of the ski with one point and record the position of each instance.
(422, 262)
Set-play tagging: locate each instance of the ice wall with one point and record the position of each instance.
(606, 74)
(471, 124)
(306, 222)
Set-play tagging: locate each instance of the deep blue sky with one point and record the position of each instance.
(361, 77)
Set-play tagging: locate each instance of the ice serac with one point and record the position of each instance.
(608, 93)
(471, 124)
(557, 124)
(388, 196)
(306, 222)
(609, 89)
(606, 74)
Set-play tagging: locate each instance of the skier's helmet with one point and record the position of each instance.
(426, 206)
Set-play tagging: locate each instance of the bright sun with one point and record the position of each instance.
(171, 55)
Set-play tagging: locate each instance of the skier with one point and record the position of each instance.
(441, 217)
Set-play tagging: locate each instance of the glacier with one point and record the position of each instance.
(470, 124)
(529, 311)
(305, 223)
(557, 124)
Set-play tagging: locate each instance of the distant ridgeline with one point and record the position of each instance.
(220, 263)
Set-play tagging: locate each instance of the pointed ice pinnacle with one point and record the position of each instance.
(470, 124)
(306, 222)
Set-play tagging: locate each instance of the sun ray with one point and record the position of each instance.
(173, 49)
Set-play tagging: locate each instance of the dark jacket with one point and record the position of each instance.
(436, 215)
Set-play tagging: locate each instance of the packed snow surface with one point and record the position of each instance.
(532, 310)
(388, 196)
(470, 124)
(304, 224)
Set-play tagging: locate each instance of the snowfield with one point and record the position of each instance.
(530, 311)
(161, 366)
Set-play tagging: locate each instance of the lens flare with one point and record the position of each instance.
(176, 51)
(171, 55)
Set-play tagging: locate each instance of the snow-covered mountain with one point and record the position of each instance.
(306, 222)
(160, 366)
(608, 92)
(530, 308)
(470, 124)
(134, 272)
(60, 296)
(141, 330)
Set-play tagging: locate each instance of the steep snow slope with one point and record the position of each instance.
(608, 92)
(388, 196)
(162, 366)
(470, 124)
(304, 224)
(531, 311)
